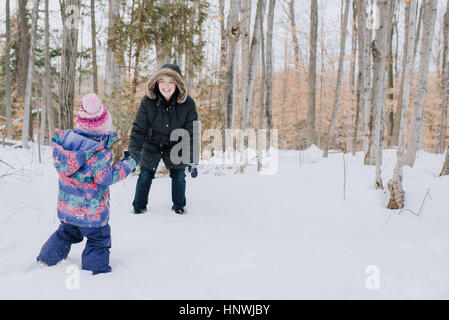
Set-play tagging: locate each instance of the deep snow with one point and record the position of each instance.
(246, 236)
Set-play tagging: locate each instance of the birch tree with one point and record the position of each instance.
(311, 94)
(362, 69)
(261, 140)
(222, 73)
(344, 23)
(269, 62)
(366, 106)
(379, 53)
(8, 74)
(416, 133)
(245, 41)
(29, 83)
(255, 43)
(396, 200)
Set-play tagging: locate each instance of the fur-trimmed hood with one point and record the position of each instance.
(169, 72)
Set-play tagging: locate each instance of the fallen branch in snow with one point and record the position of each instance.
(416, 214)
(7, 164)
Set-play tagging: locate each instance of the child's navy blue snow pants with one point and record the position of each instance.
(95, 256)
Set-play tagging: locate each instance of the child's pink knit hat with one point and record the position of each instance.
(93, 115)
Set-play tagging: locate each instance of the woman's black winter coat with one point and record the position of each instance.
(157, 118)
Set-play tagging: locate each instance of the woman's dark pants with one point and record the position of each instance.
(178, 188)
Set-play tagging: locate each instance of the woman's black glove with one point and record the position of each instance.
(192, 170)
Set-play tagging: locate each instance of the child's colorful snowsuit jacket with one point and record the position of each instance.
(83, 161)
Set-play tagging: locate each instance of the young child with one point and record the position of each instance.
(83, 161)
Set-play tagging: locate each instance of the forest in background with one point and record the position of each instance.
(376, 78)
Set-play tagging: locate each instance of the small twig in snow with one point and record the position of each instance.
(7, 164)
(416, 214)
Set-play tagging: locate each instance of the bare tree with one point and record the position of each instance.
(379, 50)
(269, 62)
(445, 80)
(233, 33)
(29, 83)
(416, 133)
(291, 6)
(255, 43)
(311, 95)
(24, 45)
(379, 53)
(47, 77)
(395, 184)
(367, 105)
(390, 80)
(362, 69)
(8, 74)
(112, 56)
(352, 76)
(222, 73)
(343, 27)
(245, 38)
(69, 14)
(94, 46)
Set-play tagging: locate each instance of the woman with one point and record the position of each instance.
(165, 107)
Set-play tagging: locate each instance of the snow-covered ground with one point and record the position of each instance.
(291, 235)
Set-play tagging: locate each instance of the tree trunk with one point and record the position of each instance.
(47, 77)
(23, 56)
(445, 80)
(112, 77)
(245, 37)
(397, 121)
(223, 45)
(422, 12)
(311, 95)
(343, 26)
(162, 52)
(379, 49)
(395, 184)
(361, 83)
(390, 82)
(262, 87)
(255, 42)
(352, 76)
(68, 64)
(379, 53)
(94, 46)
(269, 62)
(29, 83)
(291, 6)
(366, 106)
(284, 92)
(233, 34)
(8, 74)
(416, 133)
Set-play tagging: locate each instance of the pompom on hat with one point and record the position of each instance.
(93, 115)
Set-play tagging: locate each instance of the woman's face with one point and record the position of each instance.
(167, 87)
